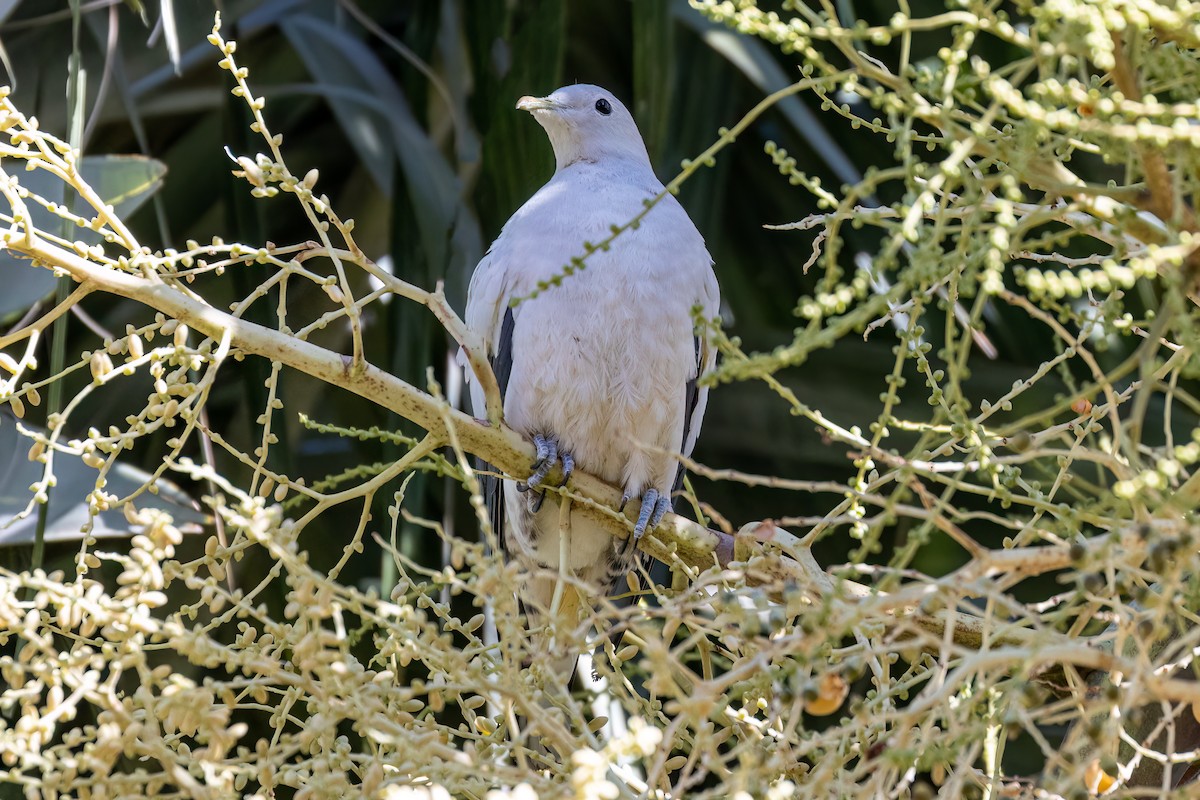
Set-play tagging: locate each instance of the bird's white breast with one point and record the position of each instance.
(602, 360)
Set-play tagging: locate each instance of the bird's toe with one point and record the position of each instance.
(549, 454)
(547, 457)
(660, 510)
(654, 506)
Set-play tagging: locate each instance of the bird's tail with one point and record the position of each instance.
(555, 615)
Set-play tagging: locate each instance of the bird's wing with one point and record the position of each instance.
(486, 299)
(502, 358)
(696, 396)
(691, 423)
(493, 487)
(488, 315)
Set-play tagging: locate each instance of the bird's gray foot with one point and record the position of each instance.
(654, 506)
(548, 455)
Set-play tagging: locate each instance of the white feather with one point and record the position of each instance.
(601, 361)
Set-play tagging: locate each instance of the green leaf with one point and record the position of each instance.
(68, 510)
(754, 59)
(124, 182)
(170, 33)
(654, 60)
(526, 49)
(375, 115)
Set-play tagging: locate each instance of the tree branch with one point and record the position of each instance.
(499, 445)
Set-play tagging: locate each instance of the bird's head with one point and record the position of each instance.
(587, 123)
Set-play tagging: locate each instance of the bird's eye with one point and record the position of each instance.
(603, 106)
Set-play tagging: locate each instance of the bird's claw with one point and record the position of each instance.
(654, 506)
(548, 454)
(547, 457)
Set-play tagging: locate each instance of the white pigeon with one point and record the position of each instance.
(600, 369)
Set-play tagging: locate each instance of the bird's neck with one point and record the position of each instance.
(629, 170)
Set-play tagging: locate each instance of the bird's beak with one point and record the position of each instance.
(532, 104)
